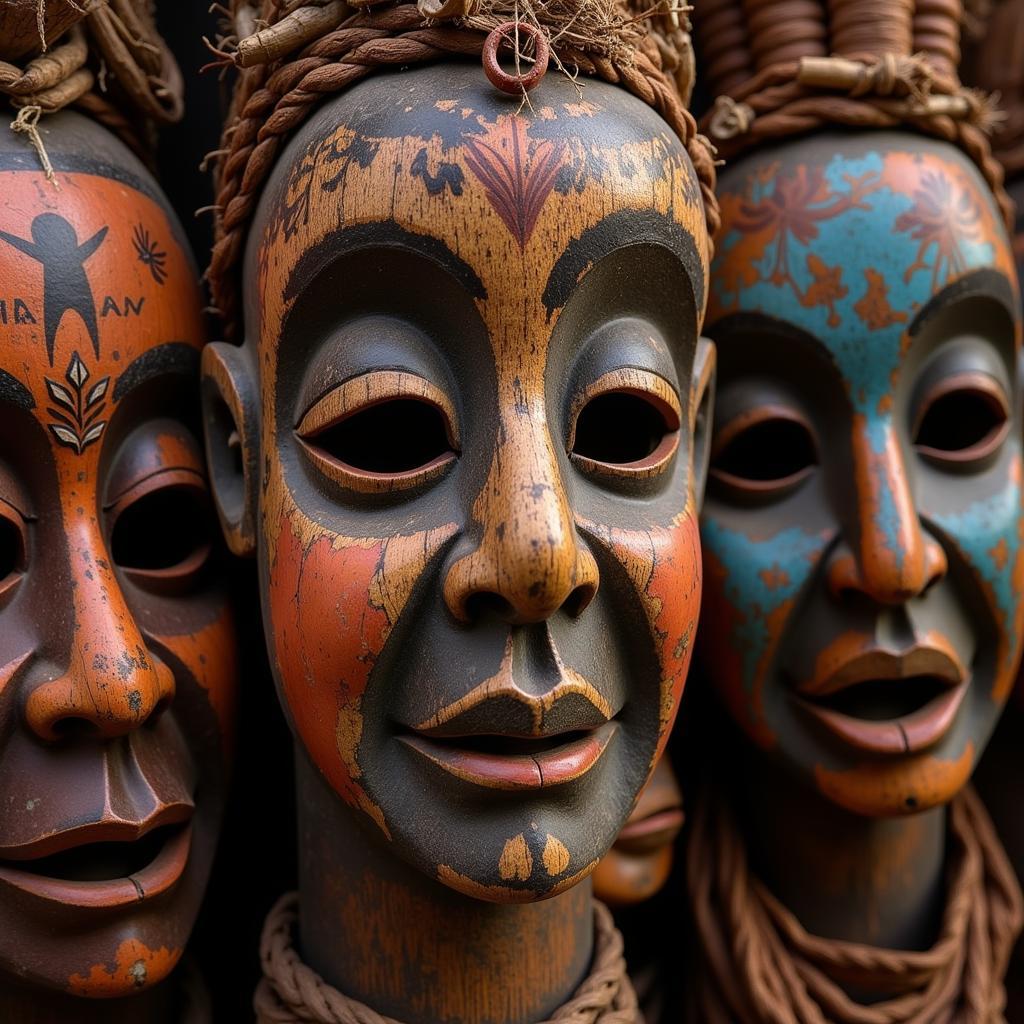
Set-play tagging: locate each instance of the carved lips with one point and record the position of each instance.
(528, 767)
(501, 736)
(150, 880)
(888, 703)
(123, 833)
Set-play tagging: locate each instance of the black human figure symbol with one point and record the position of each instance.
(65, 286)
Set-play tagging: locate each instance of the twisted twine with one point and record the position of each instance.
(292, 993)
(272, 100)
(896, 68)
(112, 65)
(764, 968)
(994, 61)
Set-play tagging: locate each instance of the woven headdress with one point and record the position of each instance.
(307, 50)
(780, 68)
(103, 57)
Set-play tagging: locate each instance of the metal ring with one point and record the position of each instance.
(515, 85)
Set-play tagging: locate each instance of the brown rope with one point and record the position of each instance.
(272, 100)
(112, 64)
(292, 993)
(762, 967)
(904, 54)
(994, 61)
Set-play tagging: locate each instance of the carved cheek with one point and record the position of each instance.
(990, 537)
(664, 566)
(333, 603)
(750, 591)
(210, 656)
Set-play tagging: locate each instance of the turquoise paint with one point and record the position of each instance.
(865, 237)
(868, 236)
(792, 551)
(978, 531)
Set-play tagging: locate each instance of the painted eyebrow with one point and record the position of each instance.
(13, 392)
(380, 235)
(618, 231)
(170, 357)
(985, 282)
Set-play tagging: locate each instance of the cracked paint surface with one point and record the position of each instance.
(856, 277)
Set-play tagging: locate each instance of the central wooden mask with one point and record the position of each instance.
(470, 407)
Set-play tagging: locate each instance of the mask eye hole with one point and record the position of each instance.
(767, 451)
(963, 420)
(619, 428)
(381, 432)
(395, 437)
(625, 425)
(12, 552)
(162, 535)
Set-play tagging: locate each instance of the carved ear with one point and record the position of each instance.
(702, 407)
(231, 425)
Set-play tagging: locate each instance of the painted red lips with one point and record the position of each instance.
(882, 702)
(503, 736)
(94, 865)
(553, 761)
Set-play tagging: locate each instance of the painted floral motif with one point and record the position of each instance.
(150, 254)
(517, 174)
(944, 215)
(344, 148)
(78, 424)
(779, 210)
(827, 288)
(858, 241)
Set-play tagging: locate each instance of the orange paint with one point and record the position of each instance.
(135, 967)
(903, 786)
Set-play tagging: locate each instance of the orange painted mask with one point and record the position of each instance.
(117, 655)
(863, 536)
(467, 405)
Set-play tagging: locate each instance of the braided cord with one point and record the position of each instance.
(293, 993)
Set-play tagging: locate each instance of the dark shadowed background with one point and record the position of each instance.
(256, 862)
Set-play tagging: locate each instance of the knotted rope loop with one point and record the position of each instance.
(292, 993)
(27, 123)
(888, 75)
(509, 33)
(447, 10)
(729, 118)
(46, 71)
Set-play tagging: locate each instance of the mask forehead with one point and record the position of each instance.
(506, 196)
(850, 247)
(88, 296)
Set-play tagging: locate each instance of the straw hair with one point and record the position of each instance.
(796, 66)
(309, 58)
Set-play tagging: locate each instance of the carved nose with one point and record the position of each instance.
(113, 684)
(882, 580)
(891, 559)
(529, 564)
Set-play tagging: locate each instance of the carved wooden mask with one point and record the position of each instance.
(117, 655)
(466, 404)
(862, 533)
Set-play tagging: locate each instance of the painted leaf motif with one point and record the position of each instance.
(59, 394)
(93, 433)
(97, 392)
(66, 436)
(77, 373)
(517, 179)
